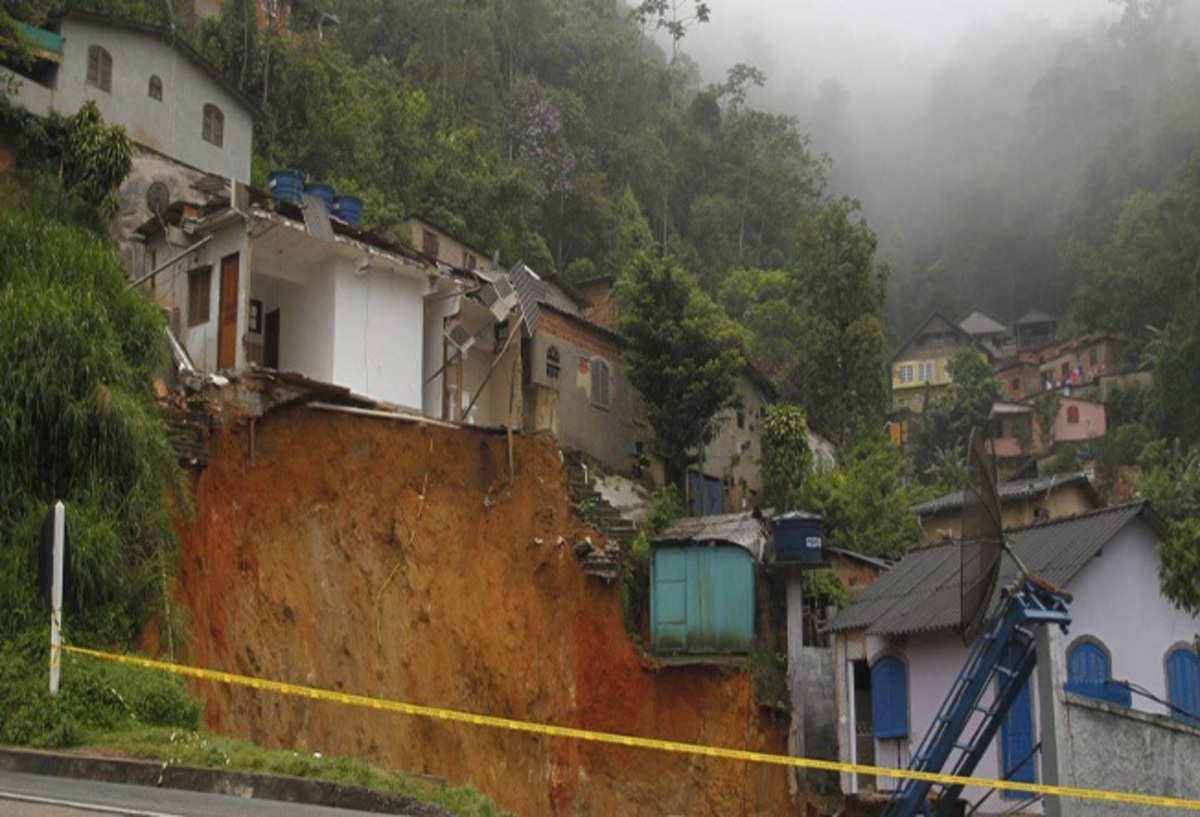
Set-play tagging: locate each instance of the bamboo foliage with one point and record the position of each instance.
(78, 423)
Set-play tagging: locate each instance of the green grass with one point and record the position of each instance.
(185, 747)
(151, 715)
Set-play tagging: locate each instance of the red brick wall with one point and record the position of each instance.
(574, 332)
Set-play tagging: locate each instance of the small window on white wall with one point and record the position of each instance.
(155, 87)
(214, 126)
(99, 68)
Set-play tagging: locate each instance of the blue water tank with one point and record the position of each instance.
(348, 209)
(798, 537)
(322, 191)
(285, 185)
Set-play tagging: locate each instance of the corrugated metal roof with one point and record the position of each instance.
(978, 322)
(742, 529)
(1009, 492)
(921, 591)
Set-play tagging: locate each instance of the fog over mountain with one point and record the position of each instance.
(973, 132)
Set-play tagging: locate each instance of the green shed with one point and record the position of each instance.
(702, 585)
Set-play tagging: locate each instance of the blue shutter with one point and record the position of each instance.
(1183, 685)
(1089, 674)
(1016, 737)
(889, 698)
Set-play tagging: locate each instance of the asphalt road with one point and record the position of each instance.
(43, 796)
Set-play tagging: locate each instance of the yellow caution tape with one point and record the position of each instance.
(631, 741)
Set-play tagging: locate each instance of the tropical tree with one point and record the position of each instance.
(683, 356)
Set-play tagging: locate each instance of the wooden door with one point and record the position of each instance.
(271, 340)
(228, 316)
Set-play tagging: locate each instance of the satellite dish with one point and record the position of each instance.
(982, 539)
(158, 198)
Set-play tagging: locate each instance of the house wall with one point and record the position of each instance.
(174, 125)
(564, 405)
(1064, 500)
(450, 250)
(1107, 747)
(1091, 423)
(169, 290)
(1116, 600)
(437, 311)
(735, 454)
(1095, 356)
(306, 321)
(935, 345)
(379, 332)
(1020, 381)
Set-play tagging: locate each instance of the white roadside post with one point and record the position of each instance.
(56, 594)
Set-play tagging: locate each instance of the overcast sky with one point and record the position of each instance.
(864, 40)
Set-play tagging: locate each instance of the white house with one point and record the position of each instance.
(293, 290)
(897, 653)
(167, 97)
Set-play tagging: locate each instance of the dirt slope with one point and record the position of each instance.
(322, 564)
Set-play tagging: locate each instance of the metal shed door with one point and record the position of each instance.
(669, 600)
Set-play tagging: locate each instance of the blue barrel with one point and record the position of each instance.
(322, 191)
(798, 537)
(285, 185)
(348, 209)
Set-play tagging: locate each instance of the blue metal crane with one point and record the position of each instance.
(1002, 658)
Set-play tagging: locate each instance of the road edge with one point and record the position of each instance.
(255, 785)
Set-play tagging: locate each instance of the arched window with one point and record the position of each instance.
(553, 363)
(889, 698)
(214, 125)
(1089, 673)
(1183, 685)
(1072, 414)
(600, 389)
(155, 87)
(99, 68)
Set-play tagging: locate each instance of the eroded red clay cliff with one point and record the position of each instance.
(389, 559)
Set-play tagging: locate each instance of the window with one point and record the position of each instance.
(904, 373)
(600, 375)
(741, 418)
(553, 363)
(99, 69)
(256, 314)
(1089, 674)
(199, 295)
(889, 698)
(155, 88)
(214, 125)
(1183, 685)
(429, 243)
(500, 335)
(1073, 415)
(925, 371)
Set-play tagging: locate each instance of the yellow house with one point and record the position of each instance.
(919, 368)
(1021, 503)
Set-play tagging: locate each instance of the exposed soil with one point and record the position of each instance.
(390, 559)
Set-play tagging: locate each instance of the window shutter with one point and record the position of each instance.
(1090, 674)
(889, 698)
(1183, 685)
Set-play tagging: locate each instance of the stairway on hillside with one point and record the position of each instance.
(582, 472)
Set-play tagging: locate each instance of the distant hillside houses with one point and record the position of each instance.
(1053, 390)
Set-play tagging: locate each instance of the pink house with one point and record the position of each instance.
(1078, 420)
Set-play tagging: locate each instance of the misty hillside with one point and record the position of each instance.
(993, 150)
